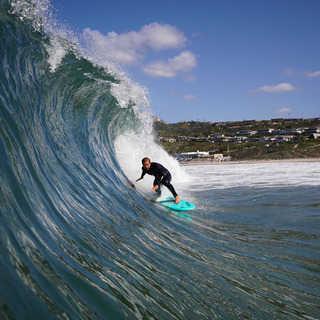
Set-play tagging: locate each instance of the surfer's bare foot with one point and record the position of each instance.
(177, 199)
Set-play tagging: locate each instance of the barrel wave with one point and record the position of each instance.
(79, 241)
(70, 222)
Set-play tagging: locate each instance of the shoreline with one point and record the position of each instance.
(215, 162)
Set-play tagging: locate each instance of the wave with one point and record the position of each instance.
(69, 213)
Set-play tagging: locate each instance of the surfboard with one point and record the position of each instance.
(183, 205)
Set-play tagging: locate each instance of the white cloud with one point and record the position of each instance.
(131, 47)
(313, 74)
(281, 87)
(184, 62)
(161, 37)
(190, 97)
(113, 46)
(283, 110)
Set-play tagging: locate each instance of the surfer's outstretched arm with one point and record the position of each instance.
(142, 174)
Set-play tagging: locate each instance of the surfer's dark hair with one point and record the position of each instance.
(146, 159)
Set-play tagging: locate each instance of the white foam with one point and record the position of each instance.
(288, 174)
(131, 147)
(56, 52)
(37, 11)
(127, 91)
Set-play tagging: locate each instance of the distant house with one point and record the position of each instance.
(278, 132)
(264, 131)
(315, 136)
(168, 139)
(222, 139)
(218, 156)
(284, 138)
(237, 139)
(199, 139)
(301, 130)
(267, 139)
(216, 136)
(251, 139)
(264, 139)
(246, 133)
(312, 130)
(290, 131)
(193, 155)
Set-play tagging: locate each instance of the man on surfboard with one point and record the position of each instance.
(161, 174)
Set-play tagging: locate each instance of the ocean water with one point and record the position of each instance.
(79, 241)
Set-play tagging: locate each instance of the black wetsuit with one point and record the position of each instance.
(162, 176)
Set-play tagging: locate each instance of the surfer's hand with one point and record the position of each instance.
(155, 188)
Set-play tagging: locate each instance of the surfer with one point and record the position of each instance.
(161, 174)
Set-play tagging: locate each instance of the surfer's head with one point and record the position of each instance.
(146, 163)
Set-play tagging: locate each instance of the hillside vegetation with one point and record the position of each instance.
(193, 136)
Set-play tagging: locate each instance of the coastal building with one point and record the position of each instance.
(284, 138)
(264, 131)
(216, 136)
(222, 139)
(315, 136)
(312, 130)
(302, 130)
(246, 132)
(278, 132)
(168, 139)
(290, 131)
(266, 139)
(237, 139)
(193, 155)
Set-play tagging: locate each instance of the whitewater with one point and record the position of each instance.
(79, 239)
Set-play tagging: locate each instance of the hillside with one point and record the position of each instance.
(294, 138)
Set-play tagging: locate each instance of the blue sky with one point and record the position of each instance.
(213, 60)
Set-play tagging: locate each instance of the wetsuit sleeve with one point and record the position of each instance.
(143, 173)
(157, 179)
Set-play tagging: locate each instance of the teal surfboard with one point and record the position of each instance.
(181, 206)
